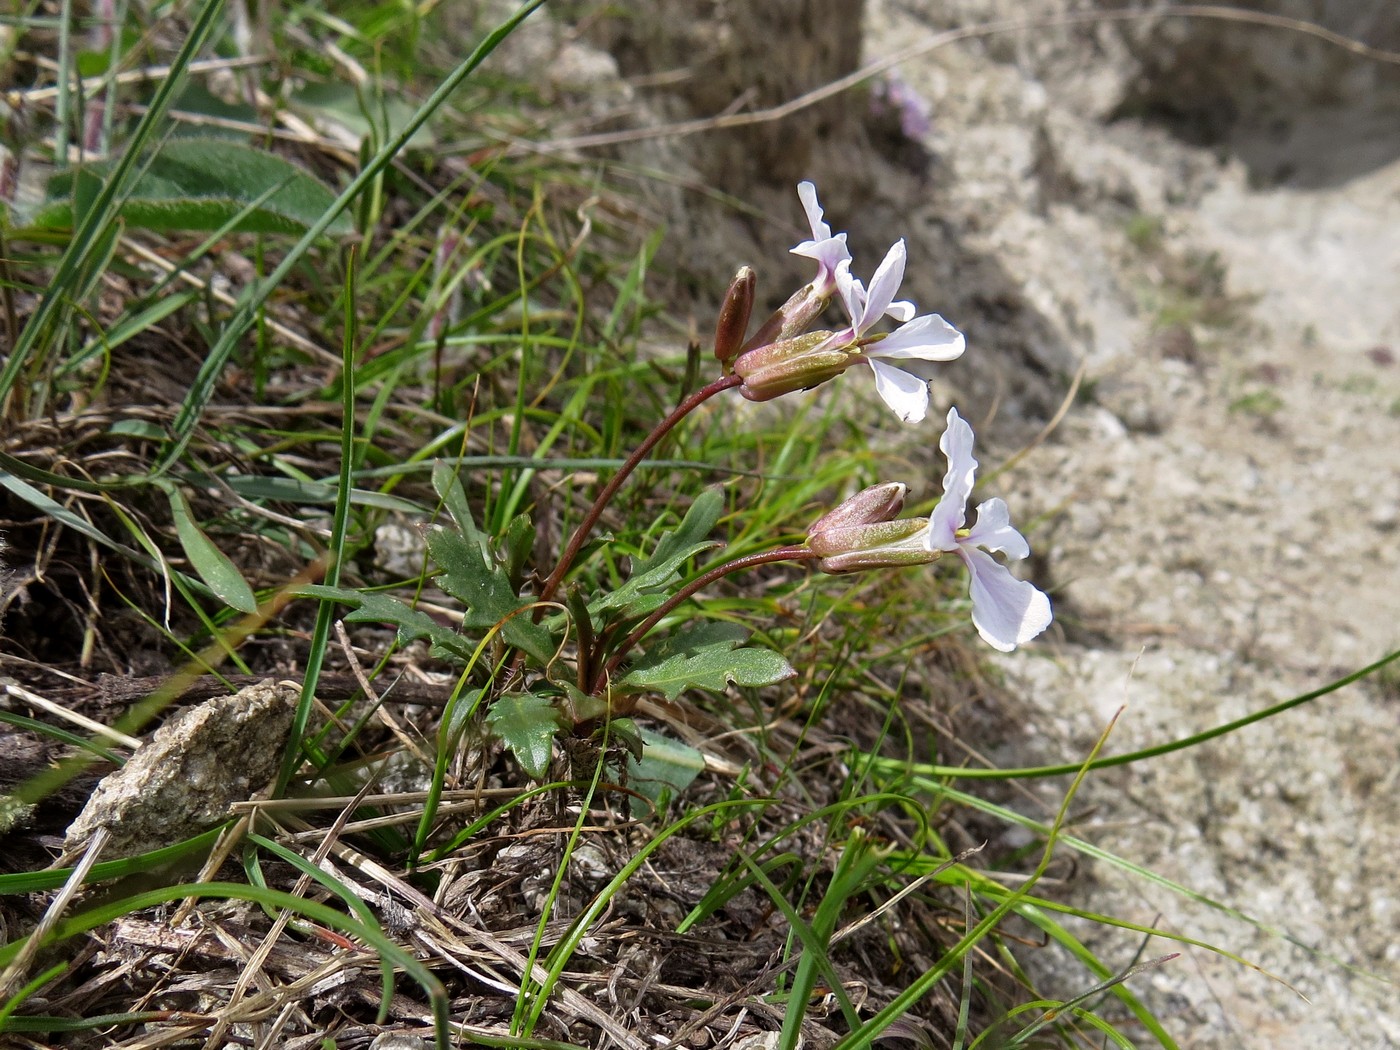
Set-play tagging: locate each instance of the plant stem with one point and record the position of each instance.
(698, 584)
(590, 520)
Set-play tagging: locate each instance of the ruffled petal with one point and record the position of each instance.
(884, 285)
(994, 531)
(929, 338)
(807, 193)
(948, 517)
(1007, 612)
(903, 391)
(826, 250)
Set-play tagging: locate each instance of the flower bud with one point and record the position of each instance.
(792, 364)
(875, 504)
(734, 316)
(792, 318)
(882, 545)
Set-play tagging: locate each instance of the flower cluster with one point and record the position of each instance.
(783, 357)
(864, 532)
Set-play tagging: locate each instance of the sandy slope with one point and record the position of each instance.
(1222, 520)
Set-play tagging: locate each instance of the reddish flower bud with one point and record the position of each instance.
(792, 318)
(734, 316)
(875, 504)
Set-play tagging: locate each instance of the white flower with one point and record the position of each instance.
(827, 250)
(863, 534)
(918, 341)
(1007, 612)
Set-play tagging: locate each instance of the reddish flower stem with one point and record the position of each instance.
(590, 520)
(698, 584)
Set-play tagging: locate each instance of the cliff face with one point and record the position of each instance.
(716, 56)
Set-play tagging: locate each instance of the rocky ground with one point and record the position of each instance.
(1220, 513)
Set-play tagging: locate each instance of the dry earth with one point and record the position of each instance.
(1221, 512)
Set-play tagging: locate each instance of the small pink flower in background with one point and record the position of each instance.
(914, 114)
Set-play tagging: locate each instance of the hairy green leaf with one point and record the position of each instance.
(704, 657)
(526, 724)
(666, 764)
(674, 550)
(203, 184)
(412, 624)
(344, 104)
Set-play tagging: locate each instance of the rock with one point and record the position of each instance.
(183, 780)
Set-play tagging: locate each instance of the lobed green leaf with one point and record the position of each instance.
(674, 550)
(412, 624)
(704, 657)
(485, 590)
(526, 724)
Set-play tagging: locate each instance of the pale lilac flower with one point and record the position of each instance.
(917, 343)
(863, 533)
(1007, 612)
(915, 114)
(806, 304)
(826, 250)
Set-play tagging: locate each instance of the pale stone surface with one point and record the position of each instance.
(183, 780)
(1221, 519)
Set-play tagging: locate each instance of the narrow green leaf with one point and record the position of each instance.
(60, 513)
(52, 878)
(204, 184)
(294, 490)
(704, 657)
(526, 724)
(212, 564)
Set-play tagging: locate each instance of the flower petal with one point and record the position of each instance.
(902, 310)
(852, 294)
(807, 193)
(929, 338)
(884, 285)
(1007, 612)
(948, 517)
(826, 250)
(903, 391)
(994, 531)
